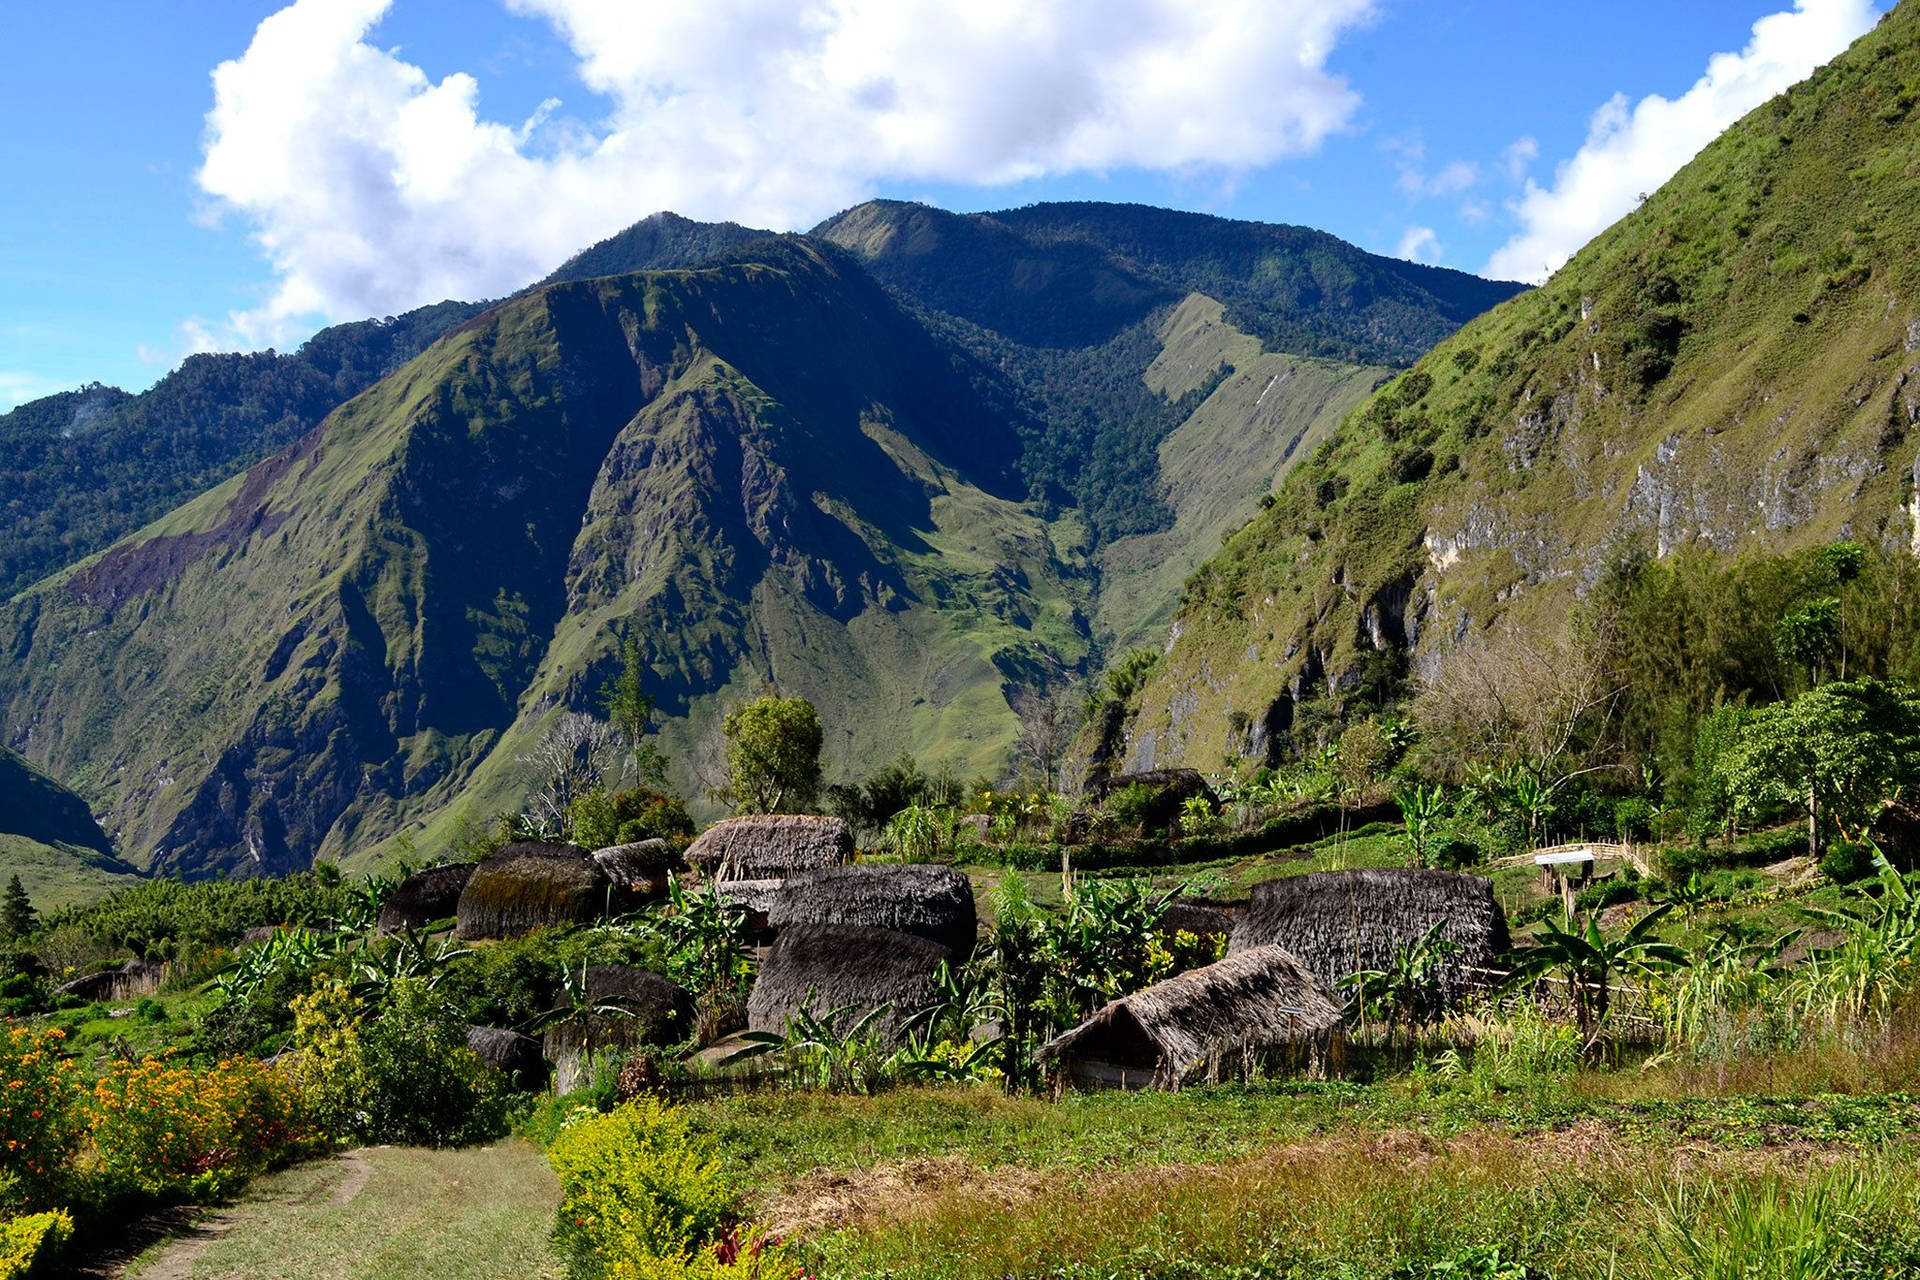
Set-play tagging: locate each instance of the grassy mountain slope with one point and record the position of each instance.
(810, 465)
(1270, 410)
(1732, 365)
(50, 840)
(750, 467)
(86, 467)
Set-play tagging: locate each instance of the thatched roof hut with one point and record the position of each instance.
(823, 967)
(1170, 790)
(758, 897)
(1343, 922)
(533, 886)
(1202, 917)
(771, 846)
(512, 1054)
(424, 897)
(642, 867)
(130, 981)
(1207, 1019)
(654, 1010)
(935, 903)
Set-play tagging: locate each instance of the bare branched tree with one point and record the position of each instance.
(568, 762)
(1544, 704)
(1047, 725)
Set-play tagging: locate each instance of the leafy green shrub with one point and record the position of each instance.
(1606, 893)
(1133, 805)
(400, 1072)
(626, 817)
(637, 1186)
(42, 1117)
(1764, 848)
(1452, 852)
(26, 1244)
(1845, 862)
(1632, 818)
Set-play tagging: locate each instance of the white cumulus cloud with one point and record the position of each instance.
(1633, 149)
(1419, 244)
(372, 187)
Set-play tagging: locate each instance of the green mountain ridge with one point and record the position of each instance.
(778, 470)
(1731, 366)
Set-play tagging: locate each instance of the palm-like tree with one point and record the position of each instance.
(1590, 961)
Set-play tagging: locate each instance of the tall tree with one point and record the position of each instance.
(17, 916)
(773, 755)
(1835, 752)
(629, 709)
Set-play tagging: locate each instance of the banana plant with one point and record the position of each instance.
(413, 956)
(815, 1053)
(1589, 961)
(1405, 988)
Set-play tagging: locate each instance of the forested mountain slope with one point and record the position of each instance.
(1731, 366)
(770, 472)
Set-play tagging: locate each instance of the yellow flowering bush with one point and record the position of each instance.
(42, 1117)
(164, 1129)
(644, 1198)
(25, 1242)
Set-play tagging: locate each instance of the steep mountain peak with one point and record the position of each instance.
(659, 241)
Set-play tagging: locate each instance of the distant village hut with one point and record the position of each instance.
(1205, 1023)
(1202, 917)
(1339, 923)
(425, 897)
(513, 1054)
(824, 967)
(531, 886)
(771, 846)
(642, 867)
(1168, 790)
(642, 1007)
(931, 902)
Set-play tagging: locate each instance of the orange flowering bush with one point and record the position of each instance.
(165, 1129)
(41, 1116)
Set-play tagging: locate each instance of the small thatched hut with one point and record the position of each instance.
(1202, 917)
(771, 846)
(758, 897)
(641, 867)
(823, 967)
(935, 903)
(653, 1010)
(1209, 1019)
(130, 981)
(1170, 790)
(531, 886)
(424, 897)
(512, 1054)
(1343, 922)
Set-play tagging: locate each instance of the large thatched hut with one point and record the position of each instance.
(642, 1008)
(1204, 1022)
(1344, 922)
(823, 967)
(532, 886)
(935, 903)
(424, 897)
(771, 846)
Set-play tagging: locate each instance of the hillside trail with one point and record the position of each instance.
(375, 1212)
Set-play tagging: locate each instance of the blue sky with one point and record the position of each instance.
(1410, 128)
